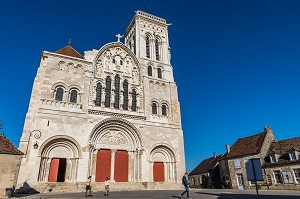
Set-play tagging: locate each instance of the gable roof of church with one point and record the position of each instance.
(247, 146)
(6, 147)
(206, 166)
(69, 51)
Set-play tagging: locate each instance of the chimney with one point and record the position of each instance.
(227, 148)
(215, 155)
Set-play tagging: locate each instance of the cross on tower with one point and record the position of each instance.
(119, 37)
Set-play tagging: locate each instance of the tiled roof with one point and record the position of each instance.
(69, 51)
(281, 149)
(206, 165)
(247, 145)
(6, 147)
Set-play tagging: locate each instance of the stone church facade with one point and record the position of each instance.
(113, 112)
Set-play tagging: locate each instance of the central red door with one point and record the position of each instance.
(53, 171)
(158, 172)
(121, 166)
(103, 165)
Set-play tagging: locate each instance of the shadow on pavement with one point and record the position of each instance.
(176, 197)
(247, 196)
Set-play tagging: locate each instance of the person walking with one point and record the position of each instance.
(88, 186)
(186, 186)
(106, 186)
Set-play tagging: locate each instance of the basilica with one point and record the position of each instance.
(112, 112)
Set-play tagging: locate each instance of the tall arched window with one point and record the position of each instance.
(154, 108)
(149, 71)
(164, 110)
(98, 94)
(73, 96)
(159, 75)
(107, 91)
(59, 94)
(147, 47)
(125, 95)
(156, 49)
(133, 105)
(117, 92)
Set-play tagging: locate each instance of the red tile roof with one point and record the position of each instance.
(6, 147)
(206, 165)
(247, 145)
(69, 51)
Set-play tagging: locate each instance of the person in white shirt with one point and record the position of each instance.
(106, 186)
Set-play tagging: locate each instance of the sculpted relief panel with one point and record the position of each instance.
(113, 138)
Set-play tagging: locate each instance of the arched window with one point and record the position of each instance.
(59, 94)
(156, 49)
(98, 94)
(147, 47)
(149, 71)
(133, 105)
(164, 110)
(154, 108)
(107, 91)
(159, 75)
(73, 96)
(125, 95)
(117, 92)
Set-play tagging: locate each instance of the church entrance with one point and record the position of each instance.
(121, 166)
(158, 172)
(103, 165)
(57, 170)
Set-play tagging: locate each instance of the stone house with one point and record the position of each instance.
(206, 174)
(232, 166)
(10, 159)
(282, 164)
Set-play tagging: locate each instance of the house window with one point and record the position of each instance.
(297, 174)
(149, 71)
(117, 91)
(164, 110)
(73, 96)
(157, 50)
(237, 163)
(154, 108)
(133, 105)
(159, 73)
(107, 91)
(278, 177)
(59, 94)
(287, 177)
(272, 158)
(98, 94)
(293, 155)
(147, 47)
(125, 95)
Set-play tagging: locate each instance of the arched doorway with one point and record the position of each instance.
(59, 159)
(116, 151)
(163, 163)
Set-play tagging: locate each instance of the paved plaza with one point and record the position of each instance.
(194, 193)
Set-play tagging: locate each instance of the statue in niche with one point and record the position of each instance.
(135, 77)
(99, 68)
(138, 101)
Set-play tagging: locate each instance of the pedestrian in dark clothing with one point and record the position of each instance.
(186, 186)
(88, 186)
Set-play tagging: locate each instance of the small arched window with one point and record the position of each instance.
(133, 105)
(125, 95)
(98, 94)
(107, 91)
(154, 108)
(147, 47)
(73, 96)
(149, 71)
(156, 49)
(159, 75)
(59, 94)
(117, 92)
(164, 110)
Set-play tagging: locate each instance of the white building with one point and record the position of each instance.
(113, 112)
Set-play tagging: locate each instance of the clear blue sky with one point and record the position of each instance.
(236, 63)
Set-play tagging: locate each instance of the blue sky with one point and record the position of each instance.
(236, 63)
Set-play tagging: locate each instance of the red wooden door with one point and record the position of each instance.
(103, 165)
(158, 172)
(53, 171)
(121, 166)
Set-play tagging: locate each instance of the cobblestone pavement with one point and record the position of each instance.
(194, 193)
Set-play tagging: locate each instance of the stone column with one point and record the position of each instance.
(166, 171)
(112, 165)
(68, 173)
(47, 169)
(94, 164)
(130, 166)
(151, 171)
